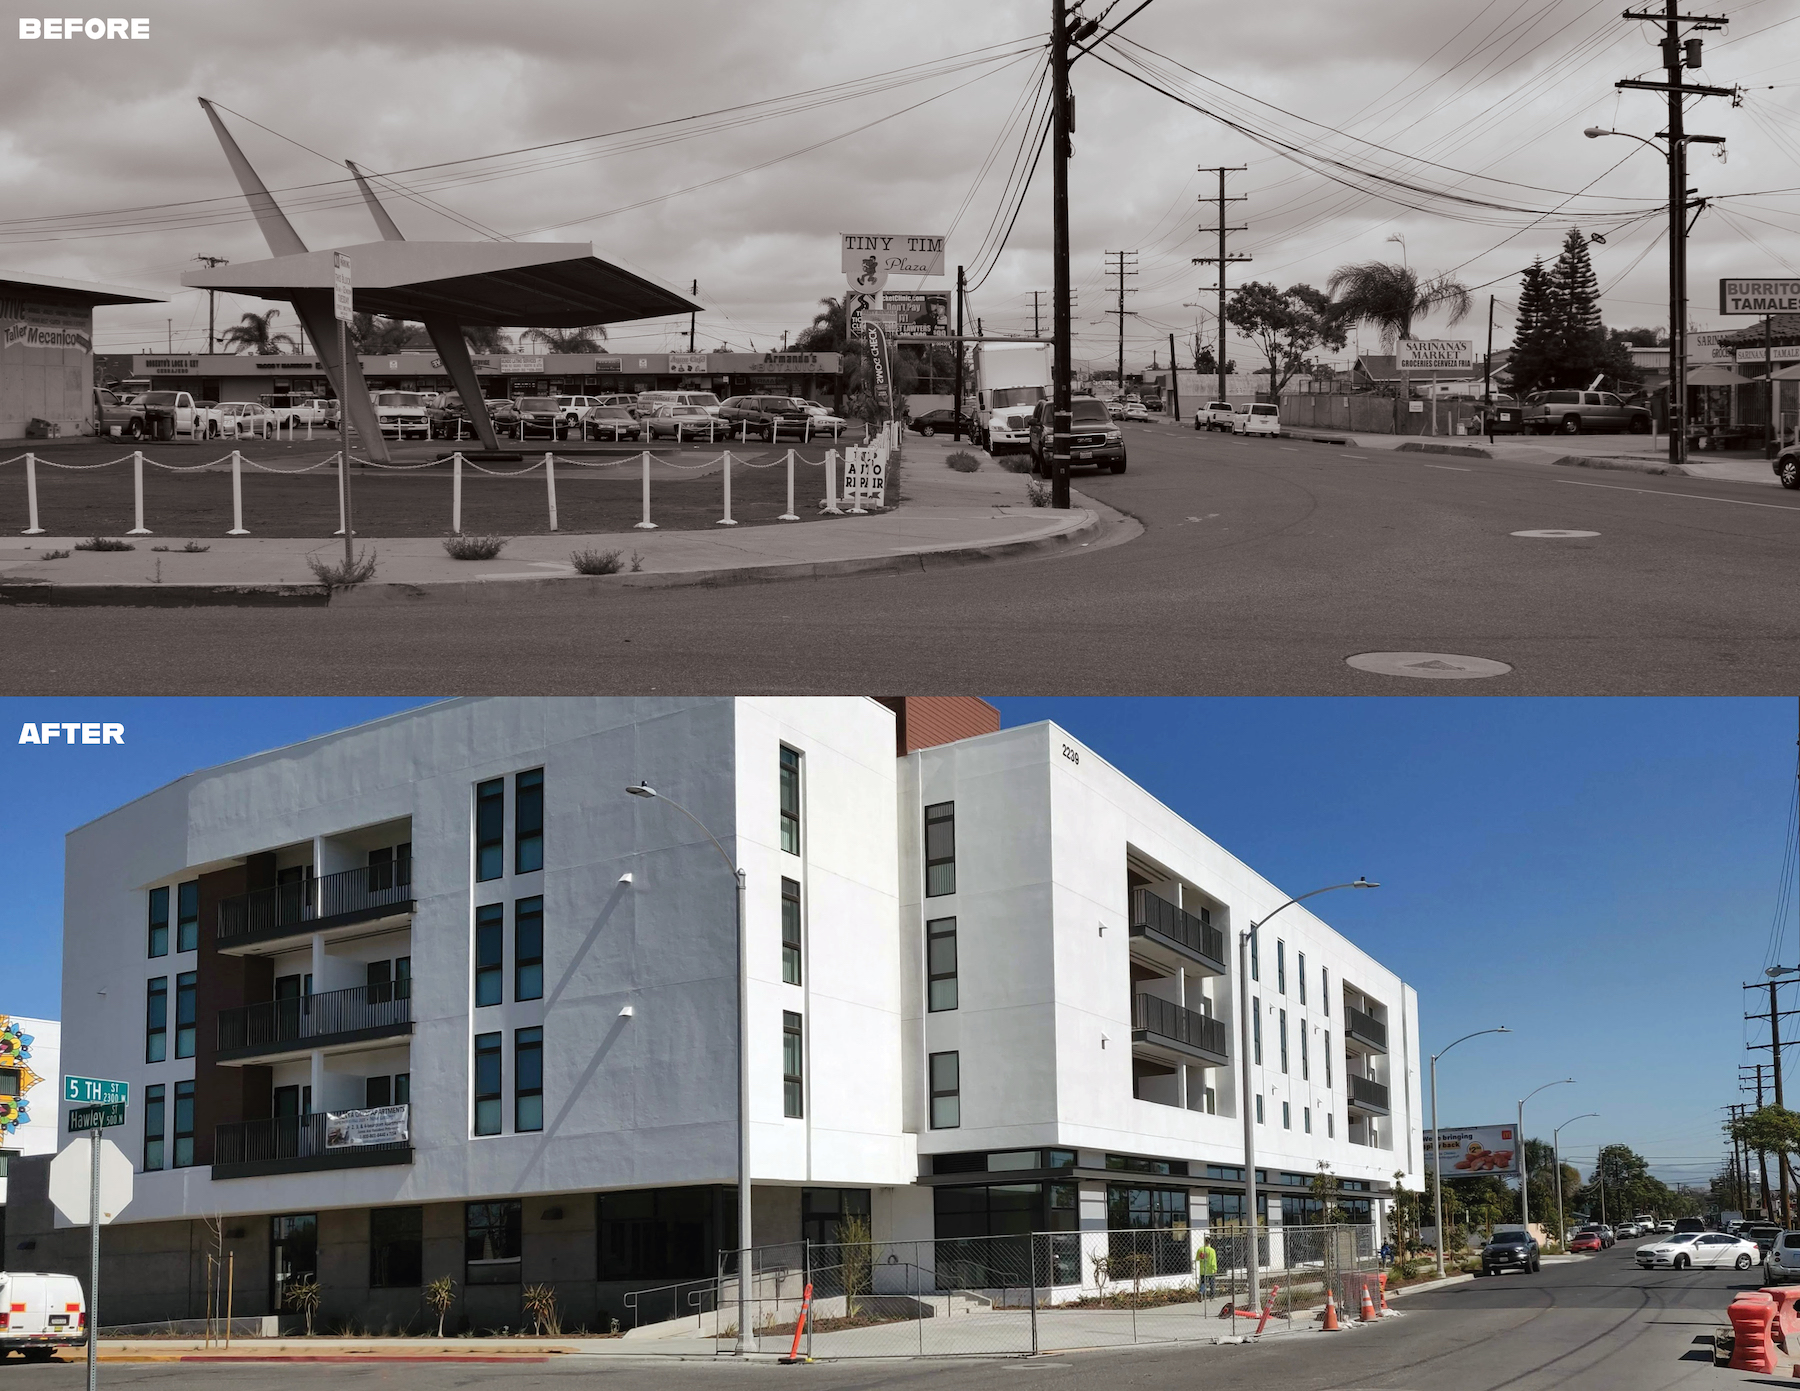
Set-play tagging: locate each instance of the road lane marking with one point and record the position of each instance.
(1452, 467)
(1555, 533)
(1657, 492)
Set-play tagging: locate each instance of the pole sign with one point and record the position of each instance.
(96, 1091)
(881, 254)
(1436, 354)
(1480, 1149)
(1759, 296)
(97, 1117)
(340, 288)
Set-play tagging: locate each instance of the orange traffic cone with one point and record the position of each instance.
(1368, 1305)
(1331, 1323)
(1386, 1308)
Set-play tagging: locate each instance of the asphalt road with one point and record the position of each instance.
(1263, 566)
(1599, 1324)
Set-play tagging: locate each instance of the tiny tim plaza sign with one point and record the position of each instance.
(892, 252)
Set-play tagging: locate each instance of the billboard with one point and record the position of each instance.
(1769, 296)
(1479, 1149)
(920, 313)
(1436, 354)
(877, 255)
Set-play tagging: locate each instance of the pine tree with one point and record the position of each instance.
(1578, 342)
(1532, 356)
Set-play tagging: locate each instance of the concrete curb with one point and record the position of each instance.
(1443, 1284)
(1627, 465)
(1316, 439)
(1462, 451)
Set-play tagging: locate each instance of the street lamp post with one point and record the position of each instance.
(1524, 1157)
(1562, 1224)
(1437, 1176)
(643, 789)
(1253, 1258)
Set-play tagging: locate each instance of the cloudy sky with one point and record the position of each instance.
(728, 143)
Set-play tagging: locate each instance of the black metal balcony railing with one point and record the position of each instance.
(1165, 1020)
(1198, 935)
(302, 905)
(289, 1144)
(1365, 1027)
(1365, 1091)
(305, 1020)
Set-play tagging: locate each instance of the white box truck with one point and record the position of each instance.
(41, 1313)
(1010, 379)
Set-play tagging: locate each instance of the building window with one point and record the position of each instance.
(528, 1079)
(1280, 967)
(184, 1014)
(159, 922)
(528, 948)
(940, 849)
(396, 1247)
(1328, 1060)
(790, 800)
(153, 1127)
(156, 1021)
(1300, 970)
(946, 1091)
(1287, 1120)
(487, 1084)
(490, 953)
(184, 1125)
(491, 1242)
(1259, 1109)
(793, 1082)
(1331, 1125)
(378, 1091)
(940, 963)
(1306, 1118)
(403, 1089)
(1305, 1062)
(790, 931)
(1325, 989)
(187, 916)
(1284, 1052)
(528, 821)
(1256, 1029)
(490, 829)
(1255, 954)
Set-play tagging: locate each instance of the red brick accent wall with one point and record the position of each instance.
(923, 722)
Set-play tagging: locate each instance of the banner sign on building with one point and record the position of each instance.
(608, 364)
(27, 324)
(1759, 296)
(919, 313)
(1481, 1149)
(178, 365)
(1707, 348)
(1782, 352)
(1436, 355)
(881, 254)
(687, 363)
(379, 1125)
(865, 476)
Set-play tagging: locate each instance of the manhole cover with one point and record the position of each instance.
(1555, 533)
(1430, 666)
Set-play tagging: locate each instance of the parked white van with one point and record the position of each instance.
(1258, 418)
(40, 1313)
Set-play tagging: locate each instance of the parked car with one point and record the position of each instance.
(242, 420)
(1136, 410)
(312, 410)
(171, 413)
(1094, 438)
(1787, 466)
(1257, 418)
(1781, 1263)
(1214, 415)
(1508, 1247)
(1575, 412)
(572, 407)
(1586, 1240)
(1626, 1229)
(505, 415)
(627, 399)
(942, 422)
(1764, 1234)
(1704, 1249)
(823, 421)
(1690, 1224)
(114, 410)
(649, 400)
(43, 1313)
(540, 415)
(763, 416)
(449, 419)
(402, 414)
(609, 423)
(1603, 1232)
(1666, 1225)
(685, 423)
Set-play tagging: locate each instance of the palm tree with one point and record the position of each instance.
(485, 338)
(255, 333)
(567, 340)
(1390, 297)
(380, 336)
(826, 334)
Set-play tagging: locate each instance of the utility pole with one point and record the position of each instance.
(1174, 382)
(1762, 1158)
(1222, 259)
(1774, 1016)
(1036, 329)
(210, 294)
(1676, 55)
(1062, 131)
(956, 399)
(694, 293)
(1487, 380)
(1120, 268)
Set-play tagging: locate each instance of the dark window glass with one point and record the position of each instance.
(790, 931)
(402, 1088)
(1256, 1030)
(487, 1084)
(1280, 967)
(184, 1014)
(184, 1125)
(1259, 1108)
(159, 922)
(1284, 1052)
(187, 916)
(1325, 989)
(793, 1082)
(490, 953)
(156, 1021)
(940, 963)
(528, 1079)
(664, 1234)
(378, 1091)
(946, 1091)
(396, 1247)
(1305, 1060)
(528, 821)
(940, 849)
(490, 829)
(403, 978)
(528, 948)
(1300, 971)
(491, 1242)
(153, 1126)
(790, 801)
(1328, 1059)
(381, 870)
(403, 864)
(1255, 955)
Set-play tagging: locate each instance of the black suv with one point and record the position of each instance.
(1095, 437)
(761, 416)
(1510, 1246)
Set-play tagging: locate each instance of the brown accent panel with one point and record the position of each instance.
(923, 722)
(223, 1094)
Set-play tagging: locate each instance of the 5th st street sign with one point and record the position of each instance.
(96, 1091)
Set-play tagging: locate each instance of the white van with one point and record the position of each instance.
(40, 1313)
(1259, 418)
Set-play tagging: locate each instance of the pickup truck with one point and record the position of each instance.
(116, 411)
(1580, 412)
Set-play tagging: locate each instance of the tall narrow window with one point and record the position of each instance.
(1259, 1109)
(403, 978)
(153, 1126)
(490, 953)
(1287, 1118)
(790, 931)
(946, 1091)
(790, 800)
(159, 922)
(528, 948)
(184, 1014)
(402, 1088)
(1255, 954)
(940, 963)
(1256, 1029)
(184, 1125)
(1305, 1061)
(1325, 988)
(793, 1056)
(1284, 1052)
(1280, 967)
(156, 1021)
(1328, 1059)
(940, 849)
(187, 916)
(1331, 1125)
(487, 1084)
(403, 865)
(1306, 1118)
(490, 829)
(528, 1079)
(1300, 970)
(528, 821)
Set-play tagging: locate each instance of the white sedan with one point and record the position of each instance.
(1709, 1249)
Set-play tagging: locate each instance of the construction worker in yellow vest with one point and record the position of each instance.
(1209, 1266)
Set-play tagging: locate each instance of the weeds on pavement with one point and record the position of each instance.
(1037, 492)
(104, 543)
(601, 562)
(54, 555)
(343, 573)
(962, 461)
(474, 547)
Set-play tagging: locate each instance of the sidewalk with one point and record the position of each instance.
(943, 517)
(1633, 453)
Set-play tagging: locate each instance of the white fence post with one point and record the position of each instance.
(237, 499)
(456, 495)
(31, 495)
(726, 519)
(831, 506)
(137, 480)
(790, 515)
(646, 524)
(550, 484)
(343, 468)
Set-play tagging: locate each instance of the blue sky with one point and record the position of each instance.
(1601, 876)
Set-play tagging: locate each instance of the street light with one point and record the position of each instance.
(643, 789)
(1252, 1260)
(1562, 1225)
(1396, 236)
(1524, 1158)
(1437, 1187)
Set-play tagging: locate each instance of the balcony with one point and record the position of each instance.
(353, 898)
(336, 1021)
(1184, 937)
(302, 1144)
(1366, 1094)
(1178, 1033)
(1365, 1029)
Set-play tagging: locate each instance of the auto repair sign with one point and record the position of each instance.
(1480, 1149)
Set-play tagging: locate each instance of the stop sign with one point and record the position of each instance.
(71, 1178)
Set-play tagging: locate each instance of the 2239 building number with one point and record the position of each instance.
(1071, 753)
